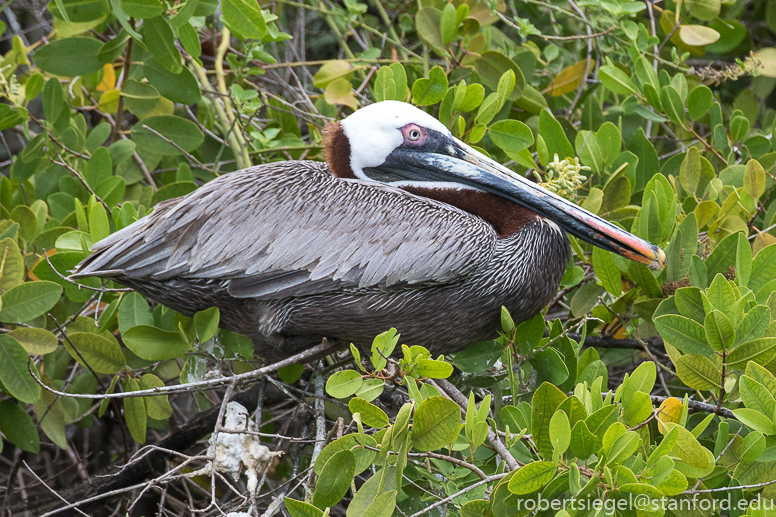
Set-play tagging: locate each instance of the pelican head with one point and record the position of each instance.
(398, 144)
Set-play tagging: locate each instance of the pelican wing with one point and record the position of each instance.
(291, 229)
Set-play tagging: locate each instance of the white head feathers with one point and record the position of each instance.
(373, 131)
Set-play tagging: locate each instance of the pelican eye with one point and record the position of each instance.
(414, 135)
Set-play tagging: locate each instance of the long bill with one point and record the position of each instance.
(472, 168)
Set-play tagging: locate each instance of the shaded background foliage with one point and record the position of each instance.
(658, 117)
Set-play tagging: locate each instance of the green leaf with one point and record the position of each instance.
(349, 442)
(161, 41)
(475, 94)
(383, 345)
(606, 271)
(385, 88)
(343, 384)
(544, 403)
(550, 366)
(134, 311)
(18, 427)
(135, 412)
(755, 396)
(643, 276)
(427, 25)
(492, 65)
(142, 8)
(433, 369)
(756, 420)
(697, 35)
(154, 344)
(719, 331)
(698, 372)
(617, 80)
(184, 133)
(638, 410)
(754, 324)
(69, 57)
(511, 136)
(532, 477)
(101, 354)
(12, 265)
(371, 389)
(763, 268)
(761, 351)
(554, 136)
(687, 448)
(478, 357)
(371, 415)
(291, 373)
(432, 90)
(699, 102)
(506, 86)
(29, 300)
(384, 503)
(157, 407)
(139, 97)
(754, 179)
(690, 171)
(753, 446)
(334, 481)
(665, 447)
(35, 341)
(621, 447)
(206, 323)
(98, 222)
(181, 87)
(448, 25)
(301, 509)
(383, 482)
(436, 424)
(706, 10)
(245, 18)
(14, 373)
(560, 432)
(78, 11)
(189, 37)
(642, 379)
(583, 443)
(672, 104)
(684, 334)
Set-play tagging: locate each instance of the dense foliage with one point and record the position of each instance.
(634, 392)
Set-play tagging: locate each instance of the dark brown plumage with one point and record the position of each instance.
(405, 227)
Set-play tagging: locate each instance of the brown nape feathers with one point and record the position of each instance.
(506, 217)
(336, 150)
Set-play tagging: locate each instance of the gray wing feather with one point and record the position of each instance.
(291, 229)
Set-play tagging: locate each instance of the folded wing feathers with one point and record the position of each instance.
(292, 229)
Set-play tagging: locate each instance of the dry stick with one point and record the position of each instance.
(455, 461)
(124, 76)
(320, 426)
(179, 148)
(494, 440)
(51, 489)
(700, 479)
(212, 383)
(242, 149)
(231, 135)
(82, 286)
(581, 36)
(77, 174)
(459, 493)
(699, 406)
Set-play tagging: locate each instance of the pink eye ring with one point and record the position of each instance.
(413, 133)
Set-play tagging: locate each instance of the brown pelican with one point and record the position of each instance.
(405, 226)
